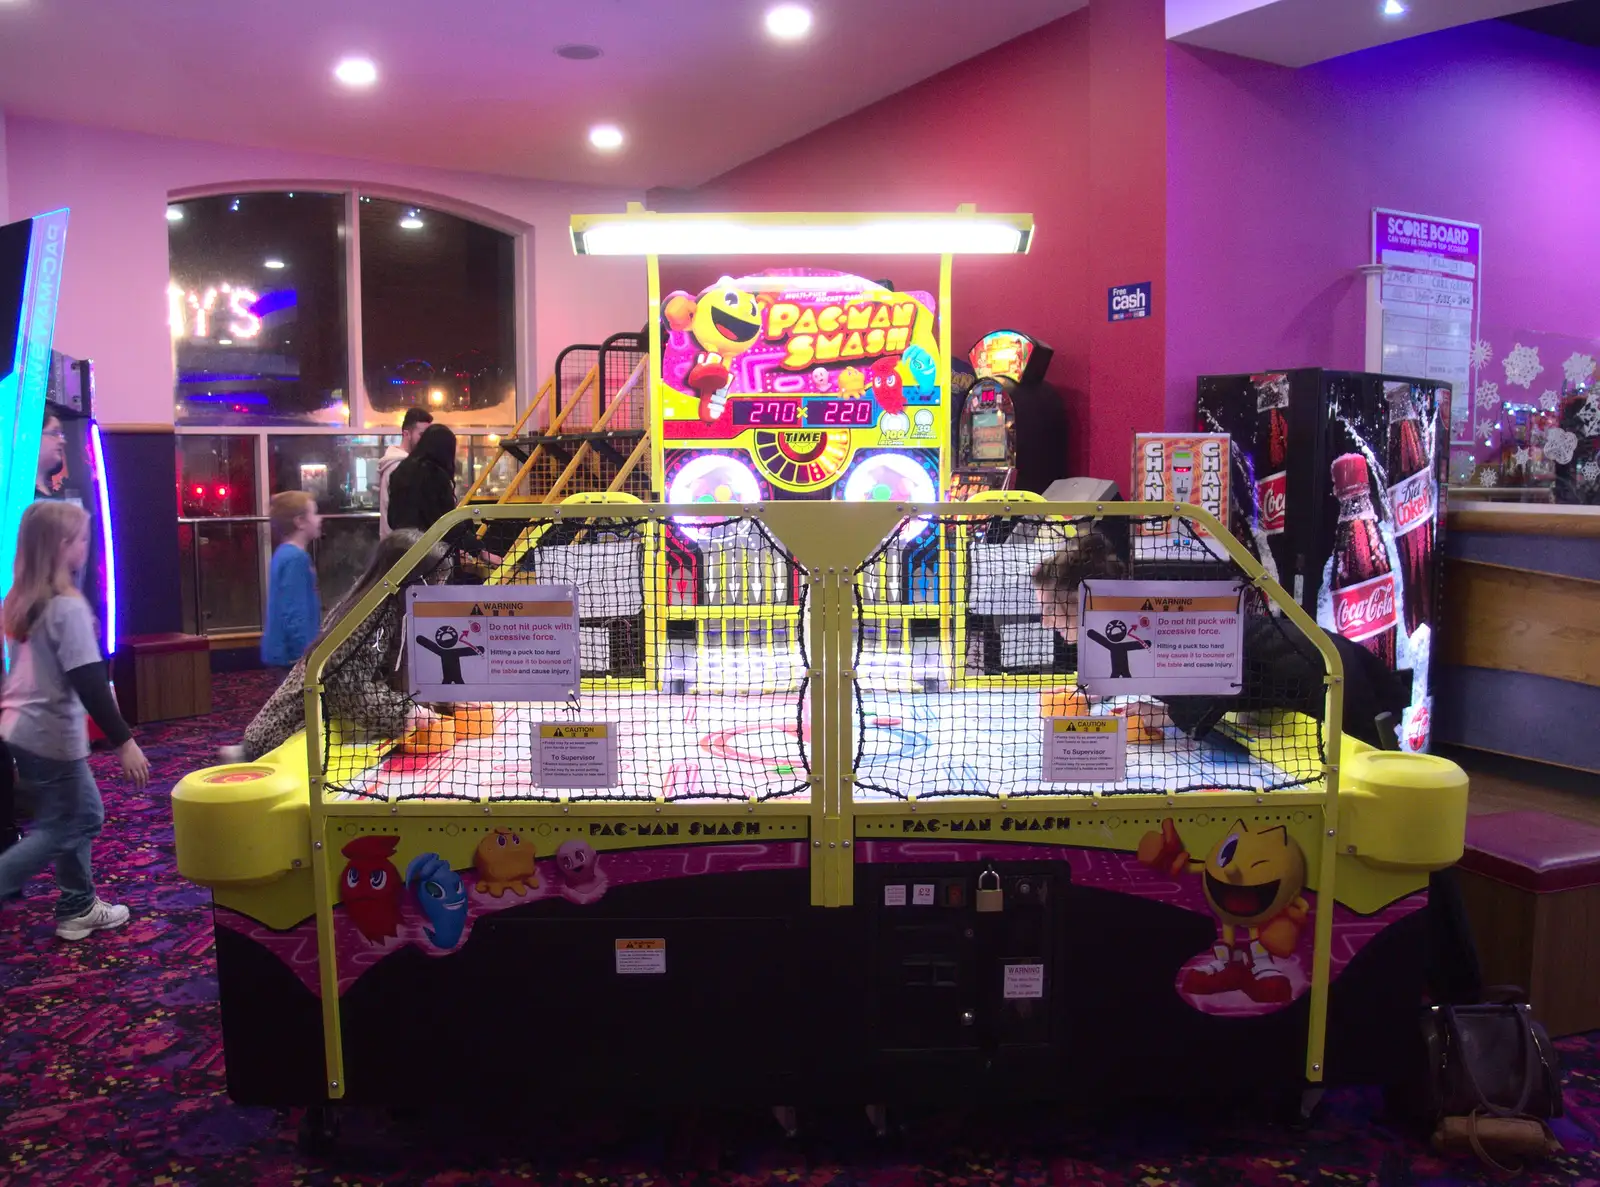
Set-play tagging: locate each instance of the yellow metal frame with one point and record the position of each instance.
(830, 540)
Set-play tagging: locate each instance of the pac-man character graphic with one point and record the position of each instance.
(370, 887)
(924, 381)
(725, 321)
(505, 862)
(1121, 643)
(441, 897)
(447, 645)
(582, 879)
(1253, 879)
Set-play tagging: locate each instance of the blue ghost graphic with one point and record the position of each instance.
(441, 896)
(924, 385)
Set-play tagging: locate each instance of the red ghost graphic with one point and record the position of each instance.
(371, 887)
(883, 381)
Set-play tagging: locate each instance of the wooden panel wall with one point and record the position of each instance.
(1518, 621)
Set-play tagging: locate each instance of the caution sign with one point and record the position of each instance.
(575, 754)
(1085, 749)
(464, 645)
(1161, 638)
(641, 958)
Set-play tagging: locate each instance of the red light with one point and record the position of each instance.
(199, 492)
(222, 492)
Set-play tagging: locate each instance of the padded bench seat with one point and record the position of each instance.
(1531, 882)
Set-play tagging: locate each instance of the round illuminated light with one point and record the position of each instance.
(174, 214)
(714, 479)
(412, 221)
(436, 397)
(892, 478)
(274, 264)
(789, 22)
(1393, 8)
(606, 137)
(356, 72)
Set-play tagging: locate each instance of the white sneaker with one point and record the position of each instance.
(231, 754)
(101, 916)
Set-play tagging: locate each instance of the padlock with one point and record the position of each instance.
(990, 897)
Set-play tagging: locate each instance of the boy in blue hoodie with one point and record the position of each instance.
(294, 610)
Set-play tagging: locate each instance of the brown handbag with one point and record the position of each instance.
(1494, 1080)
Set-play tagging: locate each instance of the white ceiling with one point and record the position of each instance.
(1300, 32)
(475, 84)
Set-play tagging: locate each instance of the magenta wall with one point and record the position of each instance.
(1272, 174)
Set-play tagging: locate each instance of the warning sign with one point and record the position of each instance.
(519, 646)
(641, 957)
(1161, 638)
(575, 754)
(1085, 749)
(1024, 981)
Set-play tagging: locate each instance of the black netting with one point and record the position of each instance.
(958, 664)
(692, 644)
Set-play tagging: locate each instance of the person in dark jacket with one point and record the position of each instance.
(1282, 668)
(422, 490)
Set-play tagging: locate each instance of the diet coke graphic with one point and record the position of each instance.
(1362, 584)
(1413, 498)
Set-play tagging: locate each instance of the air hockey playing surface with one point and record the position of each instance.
(703, 747)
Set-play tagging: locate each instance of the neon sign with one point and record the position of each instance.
(194, 313)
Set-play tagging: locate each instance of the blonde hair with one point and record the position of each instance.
(286, 507)
(37, 574)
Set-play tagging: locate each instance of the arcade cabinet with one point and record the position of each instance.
(82, 480)
(30, 272)
(1009, 432)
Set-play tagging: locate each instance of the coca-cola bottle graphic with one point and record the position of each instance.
(1272, 462)
(1362, 584)
(1413, 497)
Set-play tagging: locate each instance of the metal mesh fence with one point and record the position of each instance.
(692, 646)
(966, 643)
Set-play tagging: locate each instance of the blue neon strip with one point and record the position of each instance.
(23, 404)
(110, 547)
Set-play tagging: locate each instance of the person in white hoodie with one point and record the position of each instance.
(411, 429)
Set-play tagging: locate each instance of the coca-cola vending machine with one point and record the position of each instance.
(1338, 487)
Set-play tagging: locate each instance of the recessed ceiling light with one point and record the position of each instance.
(578, 53)
(356, 72)
(274, 264)
(606, 137)
(789, 22)
(412, 221)
(174, 214)
(1392, 8)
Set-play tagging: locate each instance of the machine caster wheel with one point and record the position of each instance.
(788, 1119)
(319, 1131)
(878, 1118)
(1300, 1110)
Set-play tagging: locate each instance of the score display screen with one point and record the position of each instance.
(779, 413)
(842, 413)
(785, 413)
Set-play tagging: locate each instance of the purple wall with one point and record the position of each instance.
(1272, 175)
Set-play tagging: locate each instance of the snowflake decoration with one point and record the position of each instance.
(1589, 415)
(1578, 369)
(1488, 477)
(1522, 365)
(1549, 401)
(1589, 472)
(1521, 457)
(1489, 395)
(1482, 352)
(1559, 446)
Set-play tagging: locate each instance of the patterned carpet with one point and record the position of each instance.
(111, 1073)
